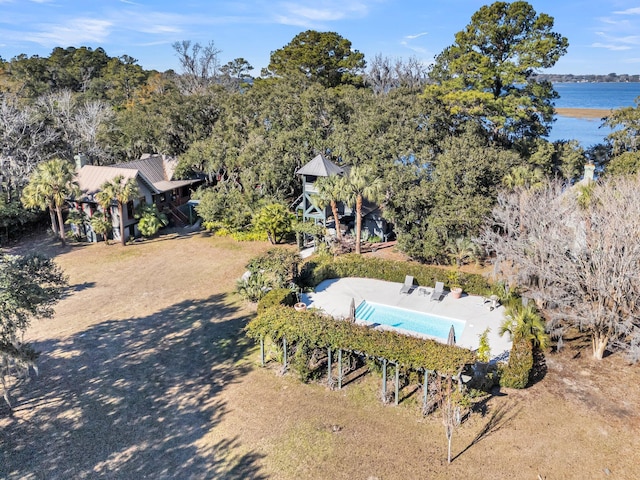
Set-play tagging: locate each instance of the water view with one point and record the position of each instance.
(590, 95)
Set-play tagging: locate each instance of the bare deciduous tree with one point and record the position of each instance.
(26, 138)
(577, 257)
(200, 65)
(385, 74)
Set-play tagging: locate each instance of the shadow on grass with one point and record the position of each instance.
(133, 398)
(498, 419)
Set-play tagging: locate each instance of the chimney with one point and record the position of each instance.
(81, 160)
(589, 172)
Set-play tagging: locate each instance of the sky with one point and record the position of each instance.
(604, 36)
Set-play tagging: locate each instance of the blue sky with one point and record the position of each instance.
(604, 36)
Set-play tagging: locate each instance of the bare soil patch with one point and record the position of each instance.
(145, 373)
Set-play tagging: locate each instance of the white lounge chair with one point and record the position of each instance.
(438, 292)
(407, 287)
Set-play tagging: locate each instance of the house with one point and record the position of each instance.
(154, 176)
(320, 166)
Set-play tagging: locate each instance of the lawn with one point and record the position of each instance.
(145, 373)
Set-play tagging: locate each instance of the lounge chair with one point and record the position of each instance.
(408, 285)
(438, 292)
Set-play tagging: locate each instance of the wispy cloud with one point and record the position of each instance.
(73, 32)
(618, 32)
(611, 46)
(309, 14)
(628, 11)
(417, 35)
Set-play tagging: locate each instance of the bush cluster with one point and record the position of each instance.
(515, 374)
(277, 296)
(352, 265)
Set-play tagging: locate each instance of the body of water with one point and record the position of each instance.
(408, 321)
(604, 96)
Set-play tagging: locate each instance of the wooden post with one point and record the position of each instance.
(329, 366)
(262, 351)
(339, 369)
(397, 381)
(384, 380)
(425, 389)
(284, 347)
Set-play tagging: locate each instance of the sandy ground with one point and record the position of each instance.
(145, 373)
(583, 112)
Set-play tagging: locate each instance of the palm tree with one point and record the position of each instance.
(120, 190)
(525, 323)
(359, 184)
(462, 250)
(330, 192)
(50, 185)
(524, 176)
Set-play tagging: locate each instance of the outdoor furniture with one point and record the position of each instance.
(423, 291)
(407, 287)
(438, 292)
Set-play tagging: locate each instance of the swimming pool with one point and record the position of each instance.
(408, 320)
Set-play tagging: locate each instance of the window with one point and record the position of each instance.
(130, 209)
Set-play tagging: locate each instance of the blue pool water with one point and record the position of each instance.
(409, 320)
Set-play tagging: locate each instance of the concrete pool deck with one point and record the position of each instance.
(334, 297)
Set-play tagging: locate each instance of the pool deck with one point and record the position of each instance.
(334, 297)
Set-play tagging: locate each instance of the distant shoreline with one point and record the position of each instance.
(593, 113)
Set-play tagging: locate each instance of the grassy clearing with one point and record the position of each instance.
(145, 372)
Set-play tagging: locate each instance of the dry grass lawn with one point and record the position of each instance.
(145, 373)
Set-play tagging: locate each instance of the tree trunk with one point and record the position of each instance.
(599, 342)
(121, 224)
(52, 214)
(358, 222)
(60, 224)
(334, 211)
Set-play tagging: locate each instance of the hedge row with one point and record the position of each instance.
(353, 265)
(309, 329)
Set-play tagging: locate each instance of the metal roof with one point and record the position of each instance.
(91, 177)
(320, 167)
(155, 171)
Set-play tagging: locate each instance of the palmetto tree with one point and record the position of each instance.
(122, 191)
(51, 183)
(525, 323)
(359, 184)
(524, 176)
(462, 250)
(330, 192)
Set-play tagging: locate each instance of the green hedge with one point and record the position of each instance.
(277, 296)
(515, 374)
(309, 329)
(353, 265)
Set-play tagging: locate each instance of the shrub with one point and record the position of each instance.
(277, 296)
(279, 265)
(253, 288)
(151, 220)
(484, 349)
(515, 374)
(352, 265)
